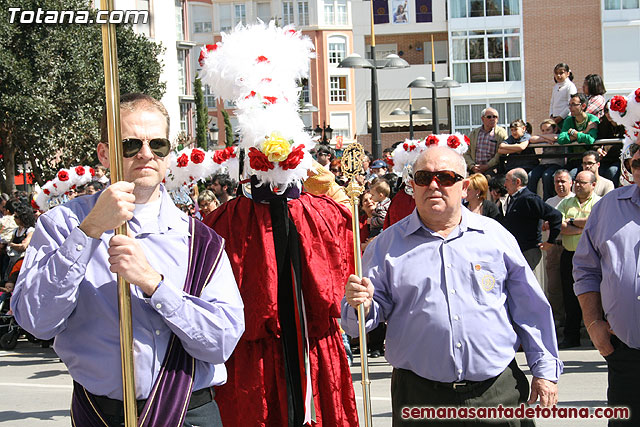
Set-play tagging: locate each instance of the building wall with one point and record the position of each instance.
(554, 32)
(412, 45)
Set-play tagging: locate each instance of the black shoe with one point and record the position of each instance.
(375, 354)
(568, 344)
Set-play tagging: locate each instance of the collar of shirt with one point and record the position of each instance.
(170, 219)
(630, 192)
(468, 221)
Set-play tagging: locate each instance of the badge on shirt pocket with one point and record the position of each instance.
(486, 281)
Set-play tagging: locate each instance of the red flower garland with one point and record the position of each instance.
(270, 99)
(619, 104)
(80, 170)
(251, 94)
(182, 161)
(293, 159)
(431, 140)
(197, 156)
(47, 192)
(408, 147)
(34, 205)
(637, 95)
(63, 176)
(453, 141)
(203, 54)
(262, 58)
(467, 140)
(220, 156)
(92, 171)
(258, 161)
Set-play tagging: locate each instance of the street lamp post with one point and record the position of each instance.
(391, 61)
(324, 132)
(419, 112)
(434, 85)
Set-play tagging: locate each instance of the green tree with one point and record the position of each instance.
(202, 114)
(228, 140)
(52, 87)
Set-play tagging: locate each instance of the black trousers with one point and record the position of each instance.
(508, 389)
(624, 377)
(573, 313)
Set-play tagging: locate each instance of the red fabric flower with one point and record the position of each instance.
(258, 161)
(63, 176)
(389, 161)
(262, 58)
(203, 54)
(292, 31)
(467, 140)
(183, 161)
(251, 94)
(638, 95)
(619, 104)
(408, 147)
(270, 99)
(293, 159)
(34, 205)
(47, 192)
(453, 141)
(431, 140)
(220, 156)
(197, 156)
(92, 171)
(80, 170)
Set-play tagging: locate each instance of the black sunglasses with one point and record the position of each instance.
(491, 117)
(159, 146)
(443, 178)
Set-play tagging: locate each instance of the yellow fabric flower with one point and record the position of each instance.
(276, 148)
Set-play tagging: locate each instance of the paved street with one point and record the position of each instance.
(36, 388)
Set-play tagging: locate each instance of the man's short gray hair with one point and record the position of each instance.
(520, 174)
(561, 171)
(484, 112)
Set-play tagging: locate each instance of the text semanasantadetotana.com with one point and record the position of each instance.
(40, 16)
(518, 412)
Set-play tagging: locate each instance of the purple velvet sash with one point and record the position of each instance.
(169, 398)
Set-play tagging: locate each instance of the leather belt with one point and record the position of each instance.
(115, 407)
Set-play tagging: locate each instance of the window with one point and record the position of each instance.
(287, 13)
(202, 27)
(481, 8)
(179, 19)
(305, 95)
(382, 50)
(209, 98)
(619, 66)
(264, 11)
(184, 112)
(468, 116)
(338, 89)
(335, 12)
(440, 50)
(182, 76)
(303, 13)
(337, 49)
(621, 4)
(231, 15)
(486, 56)
(340, 122)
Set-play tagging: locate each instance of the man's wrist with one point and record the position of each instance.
(150, 286)
(90, 230)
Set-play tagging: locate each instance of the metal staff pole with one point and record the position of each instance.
(112, 90)
(351, 167)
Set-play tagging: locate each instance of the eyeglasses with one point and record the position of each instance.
(588, 163)
(574, 104)
(491, 117)
(443, 178)
(158, 146)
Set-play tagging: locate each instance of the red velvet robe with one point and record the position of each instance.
(255, 392)
(401, 206)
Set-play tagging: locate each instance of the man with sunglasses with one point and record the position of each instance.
(606, 273)
(483, 156)
(458, 299)
(187, 314)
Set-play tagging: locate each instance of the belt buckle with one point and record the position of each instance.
(458, 384)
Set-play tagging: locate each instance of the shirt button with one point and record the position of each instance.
(157, 331)
(158, 306)
(459, 371)
(79, 247)
(459, 345)
(456, 317)
(638, 297)
(453, 291)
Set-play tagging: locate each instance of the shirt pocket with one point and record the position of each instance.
(487, 281)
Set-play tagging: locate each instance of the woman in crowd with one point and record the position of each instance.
(477, 201)
(207, 202)
(26, 221)
(594, 89)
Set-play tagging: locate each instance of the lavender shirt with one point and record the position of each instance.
(65, 289)
(607, 260)
(457, 308)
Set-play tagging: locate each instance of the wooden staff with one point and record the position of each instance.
(112, 89)
(351, 167)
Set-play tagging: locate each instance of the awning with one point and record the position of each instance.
(388, 105)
